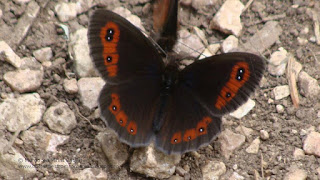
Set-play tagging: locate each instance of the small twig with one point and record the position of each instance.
(83, 117)
(247, 6)
(261, 165)
(291, 76)
(269, 18)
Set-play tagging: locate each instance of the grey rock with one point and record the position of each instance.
(244, 109)
(41, 140)
(308, 85)
(311, 145)
(230, 142)
(190, 44)
(213, 170)
(153, 163)
(229, 44)
(80, 51)
(116, 152)
(89, 89)
(70, 86)
(227, 19)
(43, 54)
(22, 112)
(90, 173)
(9, 55)
(281, 92)
(60, 118)
(264, 38)
(66, 11)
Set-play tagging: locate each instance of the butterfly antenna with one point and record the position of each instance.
(153, 41)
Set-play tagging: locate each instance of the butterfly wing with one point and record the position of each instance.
(187, 125)
(224, 82)
(205, 91)
(132, 67)
(129, 109)
(165, 15)
(119, 50)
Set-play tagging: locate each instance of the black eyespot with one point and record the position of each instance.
(201, 129)
(110, 31)
(109, 36)
(131, 130)
(189, 137)
(114, 108)
(175, 140)
(121, 121)
(109, 59)
(240, 73)
(228, 95)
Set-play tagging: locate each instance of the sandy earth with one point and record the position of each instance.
(285, 129)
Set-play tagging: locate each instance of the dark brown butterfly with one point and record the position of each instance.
(146, 101)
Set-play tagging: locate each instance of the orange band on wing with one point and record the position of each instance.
(191, 134)
(110, 36)
(239, 75)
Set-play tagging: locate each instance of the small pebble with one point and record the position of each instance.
(264, 135)
(280, 108)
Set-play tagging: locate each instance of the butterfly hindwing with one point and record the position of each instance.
(119, 50)
(130, 108)
(223, 82)
(187, 125)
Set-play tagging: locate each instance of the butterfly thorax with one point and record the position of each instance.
(169, 79)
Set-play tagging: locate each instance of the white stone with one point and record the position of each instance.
(229, 142)
(21, 1)
(264, 135)
(70, 86)
(60, 118)
(254, 147)
(41, 140)
(280, 108)
(66, 11)
(298, 153)
(188, 44)
(25, 80)
(153, 163)
(43, 54)
(227, 19)
(244, 109)
(279, 57)
(277, 70)
(229, 44)
(244, 130)
(206, 53)
(295, 174)
(236, 176)
(61, 167)
(21, 112)
(308, 85)
(10, 55)
(214, 48)
(116, 152)
(17, 164)
(80, 50)
(213, 170)
(302, 41)
(89, 89)
(281, 92)
(311, 145)
(90, 173)
(135, 20)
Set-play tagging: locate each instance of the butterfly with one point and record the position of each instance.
(147, 101)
